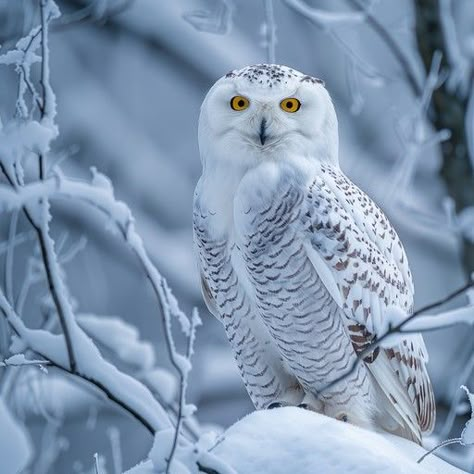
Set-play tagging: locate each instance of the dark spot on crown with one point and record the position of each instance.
(313, 80)
(270, 74)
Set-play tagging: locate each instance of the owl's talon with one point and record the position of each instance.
(274, 405)
(304, 406)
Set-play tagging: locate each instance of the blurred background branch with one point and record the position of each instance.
(435, 31)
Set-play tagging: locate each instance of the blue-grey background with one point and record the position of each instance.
(129, 80)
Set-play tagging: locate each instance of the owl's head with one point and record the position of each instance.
(267, 112)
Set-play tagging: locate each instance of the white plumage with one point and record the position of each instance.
(297, 262)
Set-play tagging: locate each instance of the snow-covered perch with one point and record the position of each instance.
(288, 440)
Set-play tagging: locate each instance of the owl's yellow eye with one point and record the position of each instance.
(290, 105)
(239, 103)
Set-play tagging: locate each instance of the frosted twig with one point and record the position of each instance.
(16, 362)
(96, 463)
(354, 88)
(18, 240)
(460, 66)
(57, 288)
(270, 31)
(31, 276)
(414, 138)
(49, 450)
(114, 437)
(446, 442)
(451, 417)
(55, 283)
(9, 256)
(73, 250)
(49, 102)
(23, 57)
(183, 367)
(432, 83)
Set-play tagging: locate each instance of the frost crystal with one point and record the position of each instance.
(467, 435)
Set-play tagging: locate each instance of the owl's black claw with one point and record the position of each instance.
(274, 405)
(304, 406)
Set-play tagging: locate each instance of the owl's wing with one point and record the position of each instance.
(354, 248)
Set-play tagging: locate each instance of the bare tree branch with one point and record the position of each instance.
(385, 35)
(27, 335)
(270, 30)
(446, 442)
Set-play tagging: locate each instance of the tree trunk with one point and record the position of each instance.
(448, 112)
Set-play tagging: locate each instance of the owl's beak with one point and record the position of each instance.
(262, 134)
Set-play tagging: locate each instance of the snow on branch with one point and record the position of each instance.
(460, 65)
(385, 35)
(269, 31)
(414, 134)
(19, 360)
(116, 385)
(183, 365)
(218, 21)
(325, 19)
(467, 434)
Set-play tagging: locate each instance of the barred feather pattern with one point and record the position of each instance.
(227, 299)
(370, 266)
(297, 308)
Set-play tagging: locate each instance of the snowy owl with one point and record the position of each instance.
(297, 262)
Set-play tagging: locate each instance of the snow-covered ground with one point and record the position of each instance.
(287, 440)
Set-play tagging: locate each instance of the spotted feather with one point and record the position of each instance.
(370, 267)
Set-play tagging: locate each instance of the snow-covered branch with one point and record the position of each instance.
(183, 365)
(386, 36)
(460, 66)
(325, 19)
(119, 387)
(269, 31)
(19, 360)
(218, 21)
(415, 135)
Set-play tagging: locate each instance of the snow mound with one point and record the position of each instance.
(290, 439)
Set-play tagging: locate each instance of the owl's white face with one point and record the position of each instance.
(267, 112)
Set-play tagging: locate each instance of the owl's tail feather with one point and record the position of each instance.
(396, 413)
